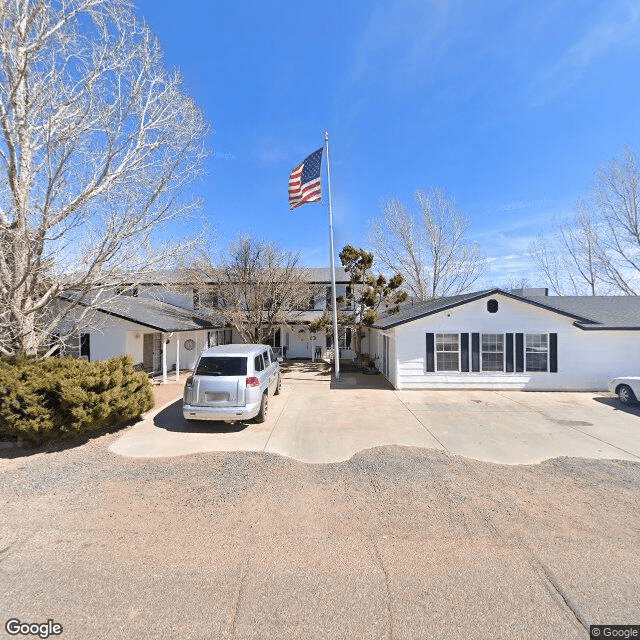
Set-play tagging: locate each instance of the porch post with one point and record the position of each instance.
(164, 359)
(177, 357)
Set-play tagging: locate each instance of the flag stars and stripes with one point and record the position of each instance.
(304, 181)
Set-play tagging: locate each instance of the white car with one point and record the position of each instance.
(627, 388)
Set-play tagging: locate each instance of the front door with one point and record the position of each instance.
(147, 351)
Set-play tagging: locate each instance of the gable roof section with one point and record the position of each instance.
(588, 312)
(604, 312)
(159, 316)
(423, 309)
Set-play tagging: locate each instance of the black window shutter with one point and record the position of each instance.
(85, 349)
(519, 352)
(509, 353)
(553, 352)
(475, 352)
(464, 352)
(431, 364)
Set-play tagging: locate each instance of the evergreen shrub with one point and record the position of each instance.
(59, 398)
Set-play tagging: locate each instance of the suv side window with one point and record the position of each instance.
(271, 355)
(267, 359)
(258, 363)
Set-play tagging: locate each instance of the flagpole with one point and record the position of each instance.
(336, 344)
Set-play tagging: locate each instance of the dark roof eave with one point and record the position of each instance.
(431, 312)
(155, 327)
(146, 324)
(603, 327)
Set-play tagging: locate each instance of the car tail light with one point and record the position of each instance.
(189, 381)
(252, 381)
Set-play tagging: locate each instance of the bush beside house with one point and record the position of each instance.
(57, 399)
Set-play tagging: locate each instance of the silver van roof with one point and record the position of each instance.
(234, 349)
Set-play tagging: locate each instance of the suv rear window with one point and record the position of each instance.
(217, 366)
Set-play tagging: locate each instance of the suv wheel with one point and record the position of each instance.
(262, 414)
(278, 386)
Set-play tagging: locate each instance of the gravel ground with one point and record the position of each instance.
(396, 542)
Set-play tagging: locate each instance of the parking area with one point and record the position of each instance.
(395, 542)
(316, 421)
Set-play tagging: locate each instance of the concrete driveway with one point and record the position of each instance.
(317, 422)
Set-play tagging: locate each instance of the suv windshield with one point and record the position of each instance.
(216, 366)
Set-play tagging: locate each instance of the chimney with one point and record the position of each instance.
(531, 292)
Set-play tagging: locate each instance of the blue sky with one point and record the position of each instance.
(509, 106)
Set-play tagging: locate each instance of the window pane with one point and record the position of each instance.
(446, 342)
(447, 361)
(536, 351)
(344, 337)
(492, 352)
(447, 352)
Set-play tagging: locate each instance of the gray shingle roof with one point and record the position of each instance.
(160, 316)
(422, 309)
(603, 312)
(175, 276)
(588, 312)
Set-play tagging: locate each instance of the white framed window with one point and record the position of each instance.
(447, 352)
(347, 305)
(492, 351)
(344, 338)
(536, 352)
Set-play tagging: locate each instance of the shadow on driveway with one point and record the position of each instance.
(358, 381)
(305, 370)
(171, 419)
(614, 403)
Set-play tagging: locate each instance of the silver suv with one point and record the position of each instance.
(232, 382)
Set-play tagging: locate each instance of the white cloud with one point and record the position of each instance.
(609, 33)
(409, 33)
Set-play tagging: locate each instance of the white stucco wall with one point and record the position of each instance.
(114, 337)
(586, 359)
(117, 337)
(299, 345)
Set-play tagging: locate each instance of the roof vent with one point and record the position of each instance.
(492, 305)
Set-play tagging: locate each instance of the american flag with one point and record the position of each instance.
(304, 181)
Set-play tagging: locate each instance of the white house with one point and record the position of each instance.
(159, 336)
(499, 340)
(160, 323)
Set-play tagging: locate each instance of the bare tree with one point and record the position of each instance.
(431, 249)
(97, 140)
(617, 198)
(514, 283)
(255, 287)
(597, 250)
(571, 261)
